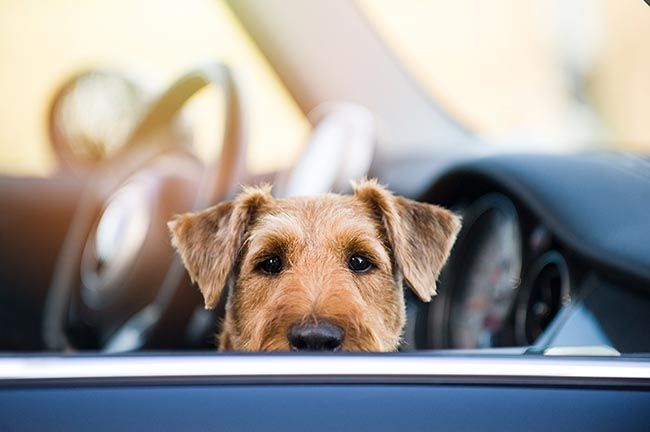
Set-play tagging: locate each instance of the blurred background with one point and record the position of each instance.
(43, 44)
(557, 74)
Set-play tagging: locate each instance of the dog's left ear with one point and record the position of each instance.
(421, 235)
(209, 242)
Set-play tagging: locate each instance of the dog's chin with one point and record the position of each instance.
(272, 334)
(280, 344)
(284, 347)
(274, 345)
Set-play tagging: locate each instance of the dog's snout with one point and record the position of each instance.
(321, 336)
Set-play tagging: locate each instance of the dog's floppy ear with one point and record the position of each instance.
(421, 235)
(210, 241)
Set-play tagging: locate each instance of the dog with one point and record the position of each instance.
(320, 273)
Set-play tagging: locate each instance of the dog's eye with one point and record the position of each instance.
(271, 265)
(359, 264)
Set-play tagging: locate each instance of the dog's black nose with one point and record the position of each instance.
(322, 336)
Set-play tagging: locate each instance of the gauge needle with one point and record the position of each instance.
(477, 303)
(492, 322)
(496, 275)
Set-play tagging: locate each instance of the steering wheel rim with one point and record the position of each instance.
(217, 180)
(60, 143)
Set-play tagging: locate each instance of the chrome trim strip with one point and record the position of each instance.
(35, 368)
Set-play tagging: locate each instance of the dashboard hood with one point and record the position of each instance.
(596, 203)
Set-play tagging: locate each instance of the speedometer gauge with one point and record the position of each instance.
(488, 274)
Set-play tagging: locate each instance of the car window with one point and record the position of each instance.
(43, 44)
(564, 74)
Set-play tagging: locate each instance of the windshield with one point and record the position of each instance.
(532, 74)
(125, 56)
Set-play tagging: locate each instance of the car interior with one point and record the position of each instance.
(88, 264)
(526, 118)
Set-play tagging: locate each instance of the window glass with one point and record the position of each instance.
(567, 74)
(44, 43)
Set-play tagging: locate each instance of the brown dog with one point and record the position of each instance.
(320, 273)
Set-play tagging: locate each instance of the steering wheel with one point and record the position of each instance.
(116, 275)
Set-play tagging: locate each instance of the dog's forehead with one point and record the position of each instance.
(321, 209)
(313, 216)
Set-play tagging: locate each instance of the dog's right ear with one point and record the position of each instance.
(421, 235)
(210, 241)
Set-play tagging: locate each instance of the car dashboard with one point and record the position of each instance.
(551, 254)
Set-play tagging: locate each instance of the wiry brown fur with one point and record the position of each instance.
(315, 237)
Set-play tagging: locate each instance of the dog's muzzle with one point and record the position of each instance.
(320, 336)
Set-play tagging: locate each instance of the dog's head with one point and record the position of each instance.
(318, 273)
